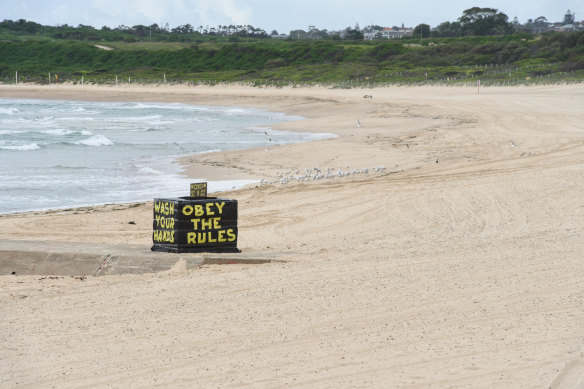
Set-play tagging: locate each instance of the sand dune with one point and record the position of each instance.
(458, 265)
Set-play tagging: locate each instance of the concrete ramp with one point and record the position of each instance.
(90, 259)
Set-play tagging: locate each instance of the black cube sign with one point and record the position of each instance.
(188, 224)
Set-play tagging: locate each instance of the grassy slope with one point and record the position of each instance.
(298, 61)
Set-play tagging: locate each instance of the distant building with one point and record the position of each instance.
(568, 27)
(565, 28)
(390, 33)
(539, 29)
(369, 36)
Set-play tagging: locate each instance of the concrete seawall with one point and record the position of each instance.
(89, 259)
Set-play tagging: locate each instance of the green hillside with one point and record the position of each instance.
(550, 56)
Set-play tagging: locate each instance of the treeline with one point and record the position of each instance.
(312, 60)
(478, 21)
(183, 33)
(474, 21)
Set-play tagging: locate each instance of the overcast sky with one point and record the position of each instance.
(273, 14)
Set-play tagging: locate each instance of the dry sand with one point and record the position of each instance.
(462, 265)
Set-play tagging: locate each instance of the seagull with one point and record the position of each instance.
(178, 147)
(358, 124)
(513, 144)
(268, 136)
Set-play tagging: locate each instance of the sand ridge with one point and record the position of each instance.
(459, 265)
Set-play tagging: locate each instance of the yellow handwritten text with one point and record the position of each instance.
(163, 236)
(165, 208)
(207, 210)
(211, 237)
(212, 223)
(163, 222)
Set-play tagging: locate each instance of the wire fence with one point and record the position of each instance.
(471, 76)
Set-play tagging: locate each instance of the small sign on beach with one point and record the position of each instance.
(199, 189)
(195, 224)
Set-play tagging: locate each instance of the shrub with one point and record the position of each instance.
(573, 64)
(275, 63)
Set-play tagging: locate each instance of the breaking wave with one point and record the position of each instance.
(96, 140)
(26, 147)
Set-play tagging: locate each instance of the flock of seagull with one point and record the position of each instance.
(315, 174)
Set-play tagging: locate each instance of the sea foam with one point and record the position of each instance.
(25, 147)
(96, 140)
(9, 110)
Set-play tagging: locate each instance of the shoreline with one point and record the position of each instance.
(458, 265)
(217, 183)
(197, 166)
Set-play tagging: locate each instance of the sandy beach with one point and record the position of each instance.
(458, 265)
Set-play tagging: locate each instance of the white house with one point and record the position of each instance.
(390, 33)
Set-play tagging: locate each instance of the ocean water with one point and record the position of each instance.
(59, 154)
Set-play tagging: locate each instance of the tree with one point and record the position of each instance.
(315, 33)
(517, 27)
(569, 18)
(447, 29)
(21, 25)
(422, 31)
(140, 30)
(542, 20)
(353, 34)
(185, 30)
(122, 28)
(538, 25)
(372, 28)
(154, 29)
(484, 21)
(297, 34)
